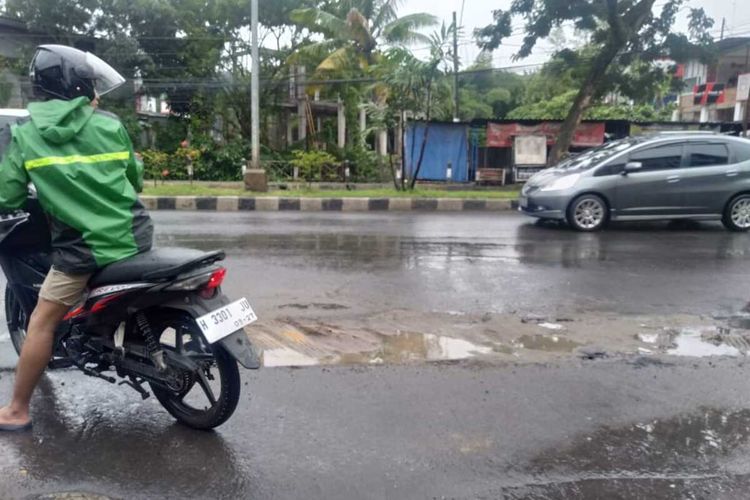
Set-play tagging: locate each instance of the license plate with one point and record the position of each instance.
(226, 320)
(523, 202)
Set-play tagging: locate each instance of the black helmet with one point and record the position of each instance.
(65, 72)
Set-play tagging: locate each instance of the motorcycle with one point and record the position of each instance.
(158, 319)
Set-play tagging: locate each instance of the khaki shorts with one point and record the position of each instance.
(62, 288)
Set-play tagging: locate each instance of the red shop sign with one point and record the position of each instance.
(500, 135)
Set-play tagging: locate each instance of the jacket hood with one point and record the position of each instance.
(59, 121)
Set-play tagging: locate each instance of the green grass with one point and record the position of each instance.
(504, 193)
(187, 190)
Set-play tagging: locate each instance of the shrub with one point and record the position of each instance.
(210, 162)
(364, 164)
(315, 165)
(156, 163)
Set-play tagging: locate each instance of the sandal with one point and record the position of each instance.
(15, 427)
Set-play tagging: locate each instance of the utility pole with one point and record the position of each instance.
(255, 87)
(456, 100)
(723, 25)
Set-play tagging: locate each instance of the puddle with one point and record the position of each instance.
(395, 349)
(660, 444)
(548, 343)
(697, 342)
(504, 349)
(552, 326)
(662, 458)
(409, 347)
(740, 321)
(701, 343)
(450, 348)
(451, 313)
(649, 338)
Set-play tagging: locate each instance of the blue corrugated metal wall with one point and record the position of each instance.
(447, 144)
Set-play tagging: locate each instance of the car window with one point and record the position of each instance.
(741, 150)
(612, 169)
(659, 158)
(596, 156)
(707, 155)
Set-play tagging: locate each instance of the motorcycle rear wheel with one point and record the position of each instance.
(194, 400)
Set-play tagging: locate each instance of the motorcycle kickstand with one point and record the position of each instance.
(137, 386)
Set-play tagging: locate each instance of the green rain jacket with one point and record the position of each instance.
(82, 163)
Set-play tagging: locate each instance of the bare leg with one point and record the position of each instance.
(36, 353)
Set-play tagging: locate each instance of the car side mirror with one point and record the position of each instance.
(632, 166)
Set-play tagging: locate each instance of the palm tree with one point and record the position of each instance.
(355, 35)
(355, 30)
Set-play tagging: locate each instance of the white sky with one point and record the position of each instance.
(478, 13)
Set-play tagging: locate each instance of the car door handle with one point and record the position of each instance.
(732, 173)
(673, 179)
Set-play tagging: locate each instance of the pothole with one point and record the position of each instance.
(547, 343)
(402, 348)
(72, 495)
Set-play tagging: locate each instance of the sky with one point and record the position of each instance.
(478, 13)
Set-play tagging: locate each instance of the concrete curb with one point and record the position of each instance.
(275, 204)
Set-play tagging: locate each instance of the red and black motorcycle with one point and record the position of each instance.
(158, 319)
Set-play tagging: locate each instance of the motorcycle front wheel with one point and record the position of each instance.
(206, 397)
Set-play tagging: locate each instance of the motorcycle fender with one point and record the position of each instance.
(236, 344)
(239, 346)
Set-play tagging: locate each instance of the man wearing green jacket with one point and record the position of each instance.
(82, 164)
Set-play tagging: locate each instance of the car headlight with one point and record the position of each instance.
(562, 183)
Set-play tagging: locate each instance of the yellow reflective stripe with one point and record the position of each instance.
(67, 160)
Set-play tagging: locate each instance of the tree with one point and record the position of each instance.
(419, 87)
(61, 20)
(557, 108)
(619, 30)
(487, 92)
(174, 46)
(354, 30)
(355, 35)
(636, 91)
(279, 39)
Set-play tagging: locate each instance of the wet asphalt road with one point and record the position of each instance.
(591, 430)
(467, 262)
(623, 428)
(470, 262)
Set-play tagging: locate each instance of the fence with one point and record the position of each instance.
(284, 171)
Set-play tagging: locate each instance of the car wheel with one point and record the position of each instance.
(737, 214)
(588, 213)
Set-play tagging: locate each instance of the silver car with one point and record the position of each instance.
(699, 176)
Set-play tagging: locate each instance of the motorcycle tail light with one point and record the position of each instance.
(214, 282)
(216, 279)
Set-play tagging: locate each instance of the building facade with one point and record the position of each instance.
(710, 92)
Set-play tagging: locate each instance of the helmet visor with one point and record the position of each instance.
(105, 77)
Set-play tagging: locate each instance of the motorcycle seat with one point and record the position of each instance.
(158, 264)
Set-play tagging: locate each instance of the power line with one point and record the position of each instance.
(99, 37)
(312, 83)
